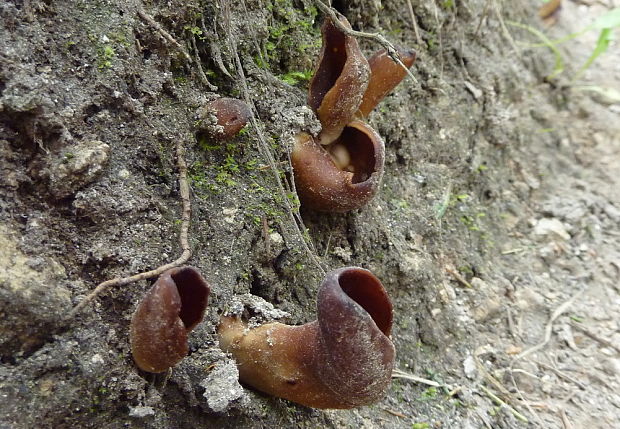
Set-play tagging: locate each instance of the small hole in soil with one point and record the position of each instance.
(90, 111)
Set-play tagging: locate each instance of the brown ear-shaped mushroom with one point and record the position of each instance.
(344, 359)
(339, 82)
(168, 312)
(342, 176)
(385, 75)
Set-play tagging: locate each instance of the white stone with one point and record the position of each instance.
(551, 226)
(469, 367)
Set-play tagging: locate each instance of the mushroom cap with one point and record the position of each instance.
(168, 312)
(339, 82)
(322, 185)
(385, 75)
(231, 115)
(354, 313)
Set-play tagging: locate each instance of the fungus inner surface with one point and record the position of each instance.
(330, 67)
(366, 290)
(194, 293)
(354, 151)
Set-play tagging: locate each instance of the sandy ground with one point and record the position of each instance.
(559, 347)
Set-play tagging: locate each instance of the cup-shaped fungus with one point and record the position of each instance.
(223, 118)
(344, 359)
(343, 175)
(385, 75)
(341, 169)
(168, 312)
(339, 82)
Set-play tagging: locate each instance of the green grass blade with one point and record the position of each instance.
(601, 46)
(609, 19)
(559, 61)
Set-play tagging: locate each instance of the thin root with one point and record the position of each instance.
(148, 19)
(183, 239)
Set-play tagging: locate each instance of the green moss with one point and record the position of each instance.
(293, 30)
(201, 182)
(119, 38)
(256, 212)
(105, 55)
(466, 269)
(295, 77)
(400, 204)
(196, 31)
(447, 4)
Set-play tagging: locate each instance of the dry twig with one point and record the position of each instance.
(505, 29)
(201, 72)
(394, 413)
(549, 328)
(562, 374)
(595, 337)
(484, 14)
(501, 403)
(489, 378)
(148, 19)
(565, 422)
(458, 277)
(216, 53)
(511, 325)
(183, 239)
(439, 37)
(151, 21)
(397, 373)
(414, 21)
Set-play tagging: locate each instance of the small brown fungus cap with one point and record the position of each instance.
(222, 119)
(168, 312)
(342, 360)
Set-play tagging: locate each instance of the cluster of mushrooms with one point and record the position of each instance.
(345, 358)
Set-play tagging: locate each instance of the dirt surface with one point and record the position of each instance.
(495, 231)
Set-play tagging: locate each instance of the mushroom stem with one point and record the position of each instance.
(344, 359)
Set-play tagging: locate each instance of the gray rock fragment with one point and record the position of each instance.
(222, 387)
(33, 298)
(469, 367)
(77, 167)
(262, 311)
(611, 366)
(141, 412)
(551, 226)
